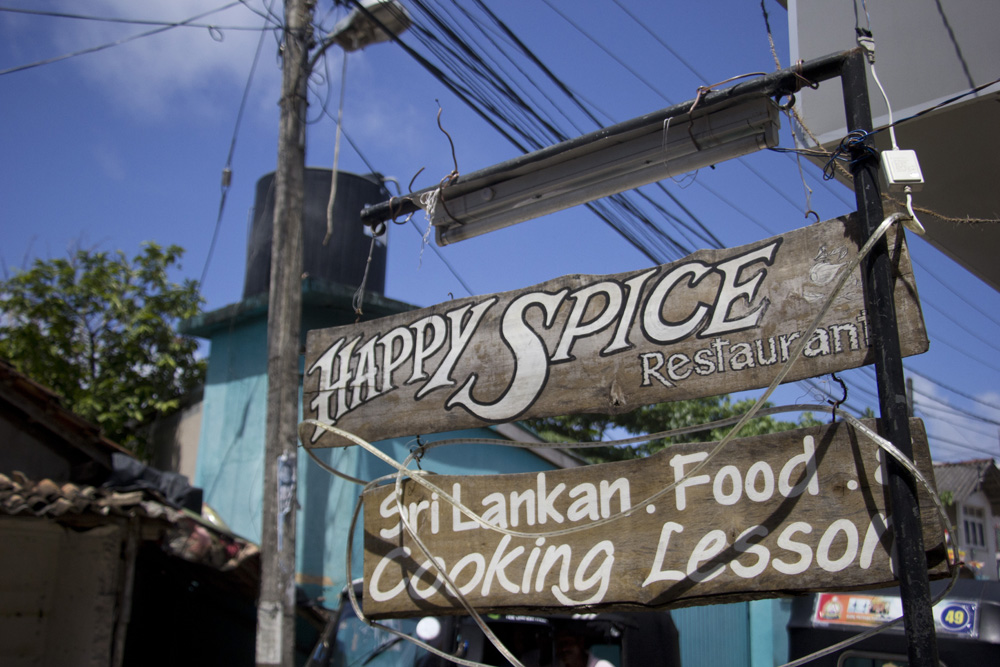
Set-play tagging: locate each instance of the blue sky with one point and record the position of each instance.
(113, 148)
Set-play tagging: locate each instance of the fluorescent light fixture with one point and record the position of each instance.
(603, 163)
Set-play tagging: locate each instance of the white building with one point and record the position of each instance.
(971, 490)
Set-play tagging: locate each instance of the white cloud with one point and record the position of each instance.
(193, 67)
(953, 435)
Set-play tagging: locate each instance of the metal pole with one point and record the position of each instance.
(276, 607)
(911, 561)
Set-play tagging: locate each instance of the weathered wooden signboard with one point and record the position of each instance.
(716, 322)
(794, 511)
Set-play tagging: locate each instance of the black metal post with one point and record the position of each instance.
(911, 561)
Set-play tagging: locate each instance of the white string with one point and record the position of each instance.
(429, 202)
(336, 154)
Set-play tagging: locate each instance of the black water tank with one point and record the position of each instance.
(342, 260)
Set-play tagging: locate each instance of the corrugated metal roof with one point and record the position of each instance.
(967, 477)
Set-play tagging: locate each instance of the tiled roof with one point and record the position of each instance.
(967, 477)
(180, 533)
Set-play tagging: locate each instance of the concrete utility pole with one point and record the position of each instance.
(276, 607)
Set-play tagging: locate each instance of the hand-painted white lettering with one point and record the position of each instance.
(530, 361)
(878, 527)
(653, 324)
(388, 509)
(611, 292)
(321, 401)
(731, 291)
(460, 334)
(424, 347)
(391, 358)
(656, 572)
(620, 340)
(709, 546)
(786, 542)
(497, 569)
(600, 578)
(677, 462)
(809, 480)
(850, 531)
(427, 568)
(743, 545)
(458, 524)
(651, 364)
(546, 501)
(374, 590)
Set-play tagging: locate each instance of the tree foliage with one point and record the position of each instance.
(654, 419)
(98, 329)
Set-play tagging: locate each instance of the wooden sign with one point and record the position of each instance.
(788, 512)
(716, 322)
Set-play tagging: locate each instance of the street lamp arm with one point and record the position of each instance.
(370, 22)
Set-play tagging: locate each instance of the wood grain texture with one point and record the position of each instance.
(788, 512)
(715, 322)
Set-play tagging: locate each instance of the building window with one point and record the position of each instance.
(974, 525)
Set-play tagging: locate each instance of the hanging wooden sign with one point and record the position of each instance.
(782, 513)
(716, 322)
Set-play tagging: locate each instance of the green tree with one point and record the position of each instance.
(654, 419)
(98, 329)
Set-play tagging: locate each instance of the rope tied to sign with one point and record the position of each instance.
(423, 478)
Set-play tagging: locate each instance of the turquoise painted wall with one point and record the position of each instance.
(742, 634)
(230, 461)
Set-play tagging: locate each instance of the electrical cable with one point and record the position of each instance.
(227, 171)
(939, 105)
(119, 42)
(947, 417)
(608, 51)
(941, 405)
(925, 268)
(701, 77)
(608, 215)
(728, 202)
(113, 19)
(938, 440)
(967, 355)
(939, 383)
(969, 331)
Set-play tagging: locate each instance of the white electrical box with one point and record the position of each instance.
(901, 170)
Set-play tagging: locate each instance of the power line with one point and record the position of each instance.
(953, 390)
(666, 46)
(967, 355)
(617, 211)
(113, 19)
(939, 440)
(955, 410)
(964, 330)
(925, 268)
(949, 418)
(227, 171)
(125, 40)
(608, 51)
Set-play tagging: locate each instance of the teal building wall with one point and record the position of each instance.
(230, 465)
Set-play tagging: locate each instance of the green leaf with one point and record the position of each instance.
(98, 329)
